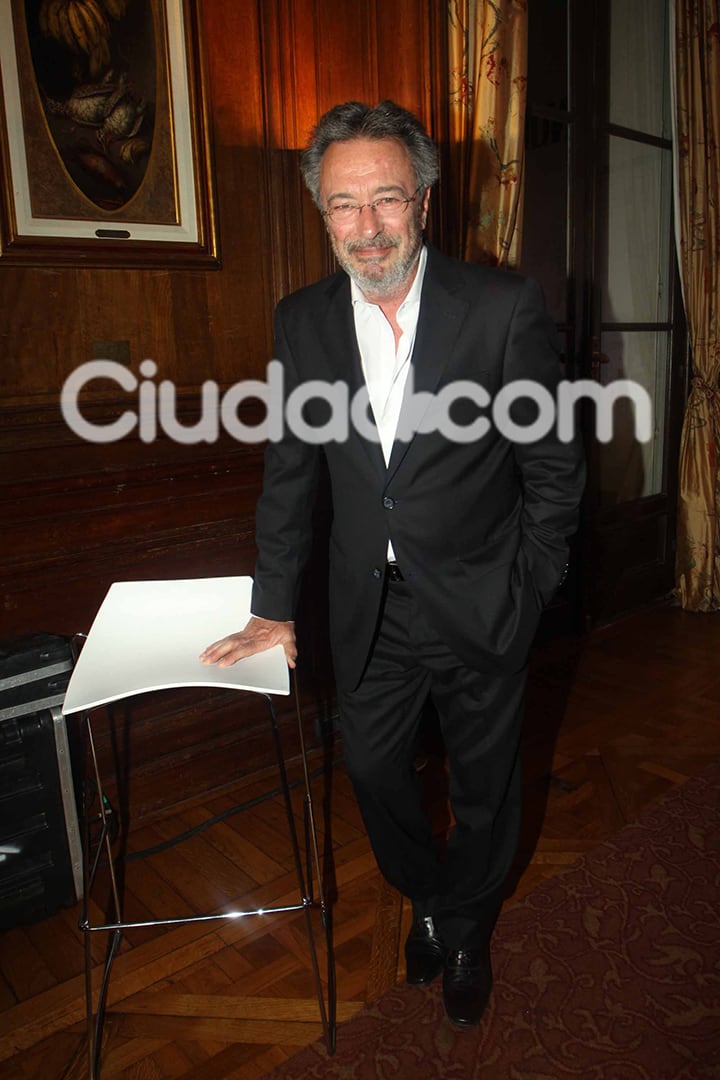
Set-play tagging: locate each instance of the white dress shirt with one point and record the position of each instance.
(386, 368)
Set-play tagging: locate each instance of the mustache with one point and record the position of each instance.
(380, 239)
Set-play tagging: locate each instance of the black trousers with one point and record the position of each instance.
(480, 716)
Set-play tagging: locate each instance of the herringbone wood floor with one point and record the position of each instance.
(613, 722)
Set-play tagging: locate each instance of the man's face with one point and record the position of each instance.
(378, 252)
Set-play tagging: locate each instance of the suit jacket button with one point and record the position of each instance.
(377, 572)
(388, 503)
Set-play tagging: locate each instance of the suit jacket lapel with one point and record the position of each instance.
(338, 335)
(442, 312)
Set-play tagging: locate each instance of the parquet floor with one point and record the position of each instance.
(613, 722)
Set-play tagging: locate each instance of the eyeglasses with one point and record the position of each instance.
(387, 206)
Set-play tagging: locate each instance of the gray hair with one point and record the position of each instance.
(354, 120)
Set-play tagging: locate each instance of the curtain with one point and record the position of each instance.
(697, 67)
(488, 90)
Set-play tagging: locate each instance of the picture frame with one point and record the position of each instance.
(105, 144)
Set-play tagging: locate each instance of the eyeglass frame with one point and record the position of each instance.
(359, 207)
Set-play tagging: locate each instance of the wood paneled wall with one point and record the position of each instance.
(77, 516)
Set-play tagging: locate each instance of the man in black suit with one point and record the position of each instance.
(449, 530)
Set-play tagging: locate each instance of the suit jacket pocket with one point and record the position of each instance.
(504, 599)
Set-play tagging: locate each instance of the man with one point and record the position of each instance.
(447, 537)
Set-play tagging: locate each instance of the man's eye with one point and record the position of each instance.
(388, 202)
(343, 207)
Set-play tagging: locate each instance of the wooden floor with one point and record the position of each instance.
(613, 722)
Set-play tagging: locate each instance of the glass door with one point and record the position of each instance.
(599, 235)
(636, 321)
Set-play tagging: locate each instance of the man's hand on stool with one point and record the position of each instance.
(257, 636)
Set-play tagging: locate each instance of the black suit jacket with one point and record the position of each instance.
(479, 528)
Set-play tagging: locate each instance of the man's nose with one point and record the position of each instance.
(368, 220)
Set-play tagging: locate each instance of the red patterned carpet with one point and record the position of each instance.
(610, 971)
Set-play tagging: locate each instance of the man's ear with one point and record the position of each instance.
(425, 206)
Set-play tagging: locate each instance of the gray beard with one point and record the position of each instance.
(386, 284)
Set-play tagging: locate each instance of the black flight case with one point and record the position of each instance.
(40, 847)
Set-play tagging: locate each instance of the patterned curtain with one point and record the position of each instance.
(697, 45)
(488, 89)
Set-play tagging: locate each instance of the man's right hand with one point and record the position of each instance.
(258, 635)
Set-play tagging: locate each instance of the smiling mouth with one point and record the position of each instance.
(374, 251)
(376, 247)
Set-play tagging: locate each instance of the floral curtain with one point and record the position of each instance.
(697, 75)
(488, 89)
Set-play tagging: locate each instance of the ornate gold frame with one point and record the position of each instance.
(89, 235)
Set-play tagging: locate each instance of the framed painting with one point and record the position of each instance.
(104, 135)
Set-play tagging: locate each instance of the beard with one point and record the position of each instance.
(378, 278)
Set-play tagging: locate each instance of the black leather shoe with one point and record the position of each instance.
(424, 953)
(467, 982)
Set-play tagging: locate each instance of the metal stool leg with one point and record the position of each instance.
(325, 914)
(327, 1014)
(96, 1017)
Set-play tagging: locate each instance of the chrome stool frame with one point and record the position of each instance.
(100, 848)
